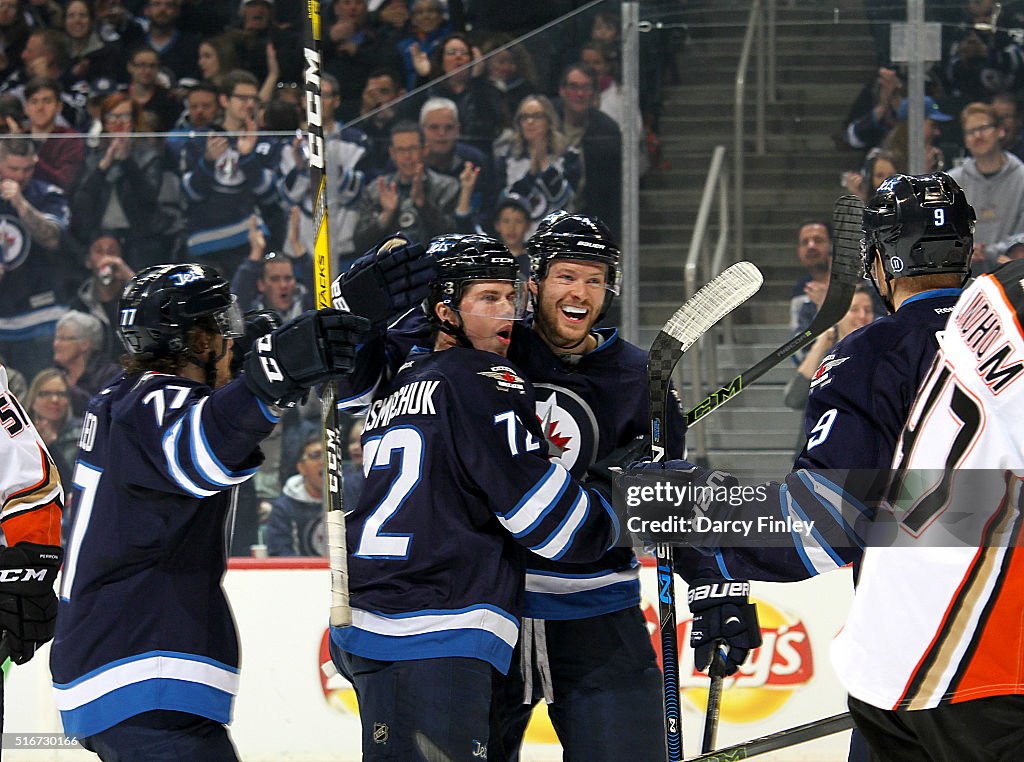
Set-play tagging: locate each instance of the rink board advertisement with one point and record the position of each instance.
(287, 709)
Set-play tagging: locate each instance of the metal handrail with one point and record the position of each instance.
(715, 187)
(739, 132)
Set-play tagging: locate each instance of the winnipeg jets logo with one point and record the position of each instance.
(821, 376)
(186, 276)
(14, 243)
(569, 426)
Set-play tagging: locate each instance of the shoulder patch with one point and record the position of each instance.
(821, 376)
(506, 379)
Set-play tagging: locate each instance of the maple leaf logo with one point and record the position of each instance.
(557, 444)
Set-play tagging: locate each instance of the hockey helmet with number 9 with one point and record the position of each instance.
(162, 303)
(462, 259)
(579, 238)
(919, 225)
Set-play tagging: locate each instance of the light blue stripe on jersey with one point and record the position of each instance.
(204, 458)
(358, 402)
(146, 682)
(815, 546)
(177, 473)
(559, 542)
(785, 501)
(477, 632)
(537, 503)
(267, 412)
(555, 595)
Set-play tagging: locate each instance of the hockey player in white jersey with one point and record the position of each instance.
(32, 501)
(932, 648)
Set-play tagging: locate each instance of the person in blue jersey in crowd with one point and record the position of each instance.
(458, 484)
(585, 644)
(145, 658)
(918, 232)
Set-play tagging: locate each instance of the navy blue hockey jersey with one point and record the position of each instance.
(143, 622)
(860, 398)
(457, 483)
(587, 408)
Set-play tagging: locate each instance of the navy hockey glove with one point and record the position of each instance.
(698, 493)
(723, 621)
(385, 282)
(257, 323)
(312, 348)
(28, 604)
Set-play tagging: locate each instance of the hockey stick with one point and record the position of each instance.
(341, 614)
(710, 304)
(847, 274)
(714, 701)
(781, 740)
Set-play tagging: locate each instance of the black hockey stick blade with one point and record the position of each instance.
(847, 274)
(781, 740)
(710, 304)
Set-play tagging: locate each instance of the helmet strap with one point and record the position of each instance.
(456, 330)
(886, 300)
(208, 364)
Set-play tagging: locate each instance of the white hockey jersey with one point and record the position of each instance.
(937, 617)
(31, 497)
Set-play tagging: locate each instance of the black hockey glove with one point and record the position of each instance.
(385, 282)
(724, 621)
(257, 323)
(303, 352)
(702, 490)
(28, 603)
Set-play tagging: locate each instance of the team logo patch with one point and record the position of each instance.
(506, 379)
(479, 750)
(226, 169)
(821, 376)
(186, 276)
(380, 732)
(569, 426)
(14, 242)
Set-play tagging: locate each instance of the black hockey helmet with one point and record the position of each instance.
(577, 237)
(162, 303)
(919, 225)
(464, 258)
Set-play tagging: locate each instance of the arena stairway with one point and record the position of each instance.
(822, 67)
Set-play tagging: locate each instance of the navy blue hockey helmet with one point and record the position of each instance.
(919, 225)
(462, 259)
(577, 237)
(162, 303)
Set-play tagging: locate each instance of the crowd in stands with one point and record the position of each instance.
(137, 132)
(972, 127)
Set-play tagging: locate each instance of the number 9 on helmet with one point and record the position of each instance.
(919, 225)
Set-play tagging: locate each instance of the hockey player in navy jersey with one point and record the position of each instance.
(145, 659)
(586, 641)
(918, 236)
(458, 484)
